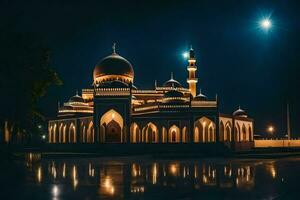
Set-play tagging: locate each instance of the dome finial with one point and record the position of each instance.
(239, 107)
(77, 93)
(191, 47)
(171, 75)
(155, 84)
(114, 48)
(200, 91)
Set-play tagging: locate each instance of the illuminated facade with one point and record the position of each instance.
(115, 111)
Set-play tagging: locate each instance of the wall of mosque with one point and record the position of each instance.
(265, 143)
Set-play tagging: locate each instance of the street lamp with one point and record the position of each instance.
(271, 130)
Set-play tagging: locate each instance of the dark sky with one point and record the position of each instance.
(236, 60)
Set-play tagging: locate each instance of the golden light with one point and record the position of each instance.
(108, 185)
(113, 115)
(74, 177)
(173, 169)
(39, 174)
(91, 170)
(204, 178)
(64, 170)
(272, 170)
(154, 173)
(271, 129)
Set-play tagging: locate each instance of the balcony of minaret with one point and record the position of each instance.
(192, 80)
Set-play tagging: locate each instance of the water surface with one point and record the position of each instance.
(147, 178)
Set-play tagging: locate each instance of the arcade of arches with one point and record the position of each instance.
(112, 131)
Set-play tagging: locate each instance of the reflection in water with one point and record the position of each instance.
(108, 185)
(55, 191)
(39, 174)
(272, 170)
(121, 179)
(74, 177)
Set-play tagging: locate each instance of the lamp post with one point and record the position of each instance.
(271, 130)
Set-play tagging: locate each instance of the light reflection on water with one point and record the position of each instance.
(95, 178)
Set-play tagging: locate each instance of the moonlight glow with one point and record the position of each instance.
(185, 55)
(265, 24)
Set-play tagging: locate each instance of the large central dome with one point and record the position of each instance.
(113, 67)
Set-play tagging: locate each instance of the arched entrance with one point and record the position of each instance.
(112, 122)
(204, 130)
(150, 133)
(134, 133)
(174, 134)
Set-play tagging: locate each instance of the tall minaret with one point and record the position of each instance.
(192, 80)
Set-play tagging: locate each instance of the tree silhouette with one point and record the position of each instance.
(25, 76)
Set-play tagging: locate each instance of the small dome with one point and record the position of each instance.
(200, 97)
(240, 113)
(172, 83)
(76, 99)
(114, 65)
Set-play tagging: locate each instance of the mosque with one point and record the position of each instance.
(114, 110)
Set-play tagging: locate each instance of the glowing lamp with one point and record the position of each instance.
(271, 129)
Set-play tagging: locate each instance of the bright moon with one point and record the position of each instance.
(266, 24)
(185, 54)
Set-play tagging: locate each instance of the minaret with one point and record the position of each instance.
(192, 80)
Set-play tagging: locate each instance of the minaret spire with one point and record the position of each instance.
(192, 80)
(114, 48)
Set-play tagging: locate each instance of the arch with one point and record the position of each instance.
(237, 132)
(134, 133)
(184, 135)
(244, 133)
(196, 135)
(164, 135)
(206, 129)
(227, 132)
(64, 134)
(211, 135)
(174, 134)
(54, 133)
(72, 133)
(90, 136)
(83, 133)
(150, 133)
(60, 132)
(250, 133)
(222, 132)
(113, 126)
(50, 134)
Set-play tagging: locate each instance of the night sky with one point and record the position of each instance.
(236, 60)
